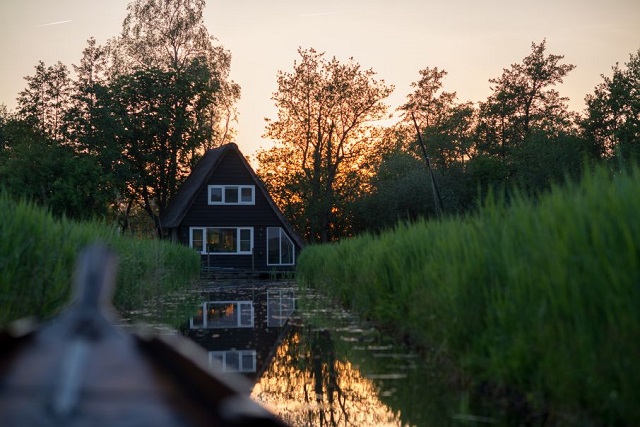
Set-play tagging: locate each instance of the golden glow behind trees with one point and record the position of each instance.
(324, 108)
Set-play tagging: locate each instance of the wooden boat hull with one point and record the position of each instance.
(80, 369)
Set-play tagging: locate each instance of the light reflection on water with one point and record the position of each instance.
(307, 383)
(331, 369)
(323, 366)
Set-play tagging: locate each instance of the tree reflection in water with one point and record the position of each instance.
(326, 367)
(307, 385)
(329, 368)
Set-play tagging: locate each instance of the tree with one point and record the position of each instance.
(322, 138)
(612, 122)
(144, 107)
(169, 35)
(428, 103)
(523, 99)
(4, 118)
(35, 167)
(443, 123)
(164, 34)
(167, 99)
(155, 119)
(446, 126)
(45, 99)
(444, 141)
(80, 124)
(40, 162)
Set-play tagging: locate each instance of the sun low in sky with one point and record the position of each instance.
(473, 40)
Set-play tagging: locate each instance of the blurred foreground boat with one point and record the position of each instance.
(79, 369)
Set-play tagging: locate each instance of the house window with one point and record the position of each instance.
(232, 195)
(280, 306)
(233, 360)
(280, 248)
(197, 238)
(223, 314)
(221, 240)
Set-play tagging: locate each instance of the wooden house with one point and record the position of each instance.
(224, 212)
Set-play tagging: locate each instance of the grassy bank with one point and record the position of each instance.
(38, 254)
(539, 297)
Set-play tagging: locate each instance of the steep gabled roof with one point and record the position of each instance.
(200, 175)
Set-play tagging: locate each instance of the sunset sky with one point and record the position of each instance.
(472, 39)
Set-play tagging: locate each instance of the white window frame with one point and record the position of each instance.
(205, 230)
(293, 247)
(239, 321)
(224, 192)
(202, 240)
(281, 304)
(222, 355)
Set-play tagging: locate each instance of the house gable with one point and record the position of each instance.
(244, 227)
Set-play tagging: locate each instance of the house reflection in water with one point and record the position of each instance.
(239, 325)
(323, 366)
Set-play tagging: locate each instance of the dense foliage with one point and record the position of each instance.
(142, 108)
(540, 298)
(322, 142)
(523, 138)
(139, 113)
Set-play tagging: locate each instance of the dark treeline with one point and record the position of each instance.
(117, 139)
(336, 176)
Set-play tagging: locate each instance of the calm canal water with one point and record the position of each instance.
(315, 364)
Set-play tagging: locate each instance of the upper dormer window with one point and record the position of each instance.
(232, 195)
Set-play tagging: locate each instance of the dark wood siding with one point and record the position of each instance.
(261, 337)
(232, 171)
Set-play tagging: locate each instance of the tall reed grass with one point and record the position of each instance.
(541, 297)
(38, 254)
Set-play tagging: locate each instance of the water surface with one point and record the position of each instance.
(315, 364)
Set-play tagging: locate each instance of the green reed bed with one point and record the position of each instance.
(540, 297)
(38, 254)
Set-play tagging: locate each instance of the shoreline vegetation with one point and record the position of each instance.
(38, 253)
(540, 298)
